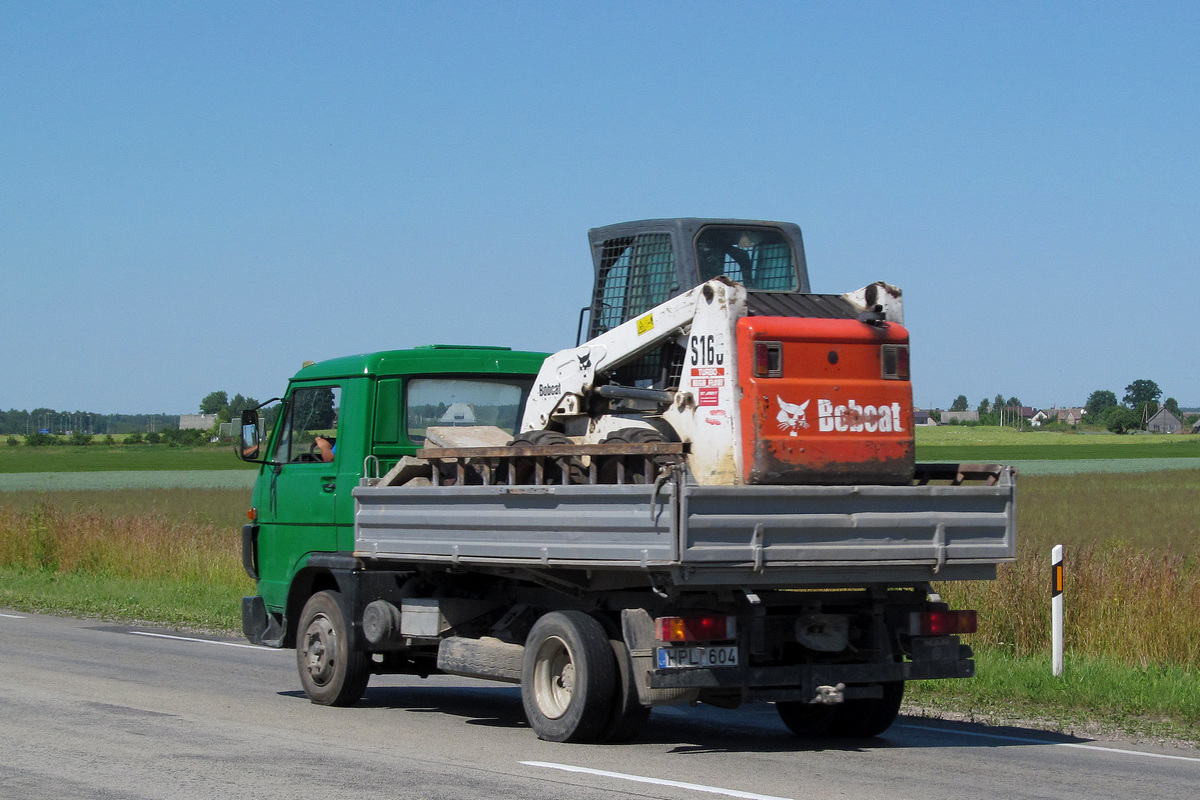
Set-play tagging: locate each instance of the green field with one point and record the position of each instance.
(955, 443)
(104, 458)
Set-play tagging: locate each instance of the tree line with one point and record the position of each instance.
(1131, 413)
(66, 423)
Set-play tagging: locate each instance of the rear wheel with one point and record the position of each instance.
(568, 677)
(331, 671)
(807, 720)
(628, 715)
(860, 719)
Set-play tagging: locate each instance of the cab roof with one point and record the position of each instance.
(429, 358)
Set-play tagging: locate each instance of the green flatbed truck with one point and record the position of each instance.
(601, 578)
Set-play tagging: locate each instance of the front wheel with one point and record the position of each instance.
(568, 677)
(331, 671)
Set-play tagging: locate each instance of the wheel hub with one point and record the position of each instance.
(319, 647)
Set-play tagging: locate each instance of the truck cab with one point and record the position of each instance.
(344, 420)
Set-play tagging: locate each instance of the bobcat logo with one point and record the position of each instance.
(791, 416)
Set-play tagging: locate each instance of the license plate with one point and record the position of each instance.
(691, 657)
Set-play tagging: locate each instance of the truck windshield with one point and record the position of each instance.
(463, 402)
(759, 258)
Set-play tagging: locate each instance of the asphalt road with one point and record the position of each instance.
(90, 710)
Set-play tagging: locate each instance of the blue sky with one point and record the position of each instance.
(201, 196)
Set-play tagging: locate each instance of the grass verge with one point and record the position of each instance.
(1093, 697)
(187, 606)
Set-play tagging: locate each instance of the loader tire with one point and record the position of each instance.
(553, 469)
(634, 466)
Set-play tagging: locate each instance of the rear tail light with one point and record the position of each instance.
(695, 629)
(895, 362)
(768, 359)
(942, 623)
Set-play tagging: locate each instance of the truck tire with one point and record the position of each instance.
(862, 719)
(332, 672)
(807, 720)
(568, 677)
(628, 715)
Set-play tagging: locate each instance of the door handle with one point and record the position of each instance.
(328, 488)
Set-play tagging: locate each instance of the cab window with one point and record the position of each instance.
(309, 431)
(463, 402)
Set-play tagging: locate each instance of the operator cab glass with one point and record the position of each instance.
(637, 273)
(759, 258)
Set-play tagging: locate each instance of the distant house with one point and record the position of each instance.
(1196, 426)
(1164, 422)
(458, 414)
(922, 416)
(196, 422)
(1071, 416)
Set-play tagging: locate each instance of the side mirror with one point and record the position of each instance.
(250, 443)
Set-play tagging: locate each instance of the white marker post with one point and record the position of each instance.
(1056, 609)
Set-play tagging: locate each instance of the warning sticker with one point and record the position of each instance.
(645, 324)
(709, 397)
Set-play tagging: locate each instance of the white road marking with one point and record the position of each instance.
(695, 787)
(1024, 740)
(11, 616)
(202, 641)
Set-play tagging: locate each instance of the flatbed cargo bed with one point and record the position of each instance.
(955, 522)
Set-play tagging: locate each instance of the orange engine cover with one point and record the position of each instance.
(831, 409)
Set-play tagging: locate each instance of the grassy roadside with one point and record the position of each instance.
(196, 606)
(1133, 554)
(1095, 697)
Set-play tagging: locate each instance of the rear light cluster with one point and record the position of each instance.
(895, 362)
(942, 623)
(768, 359)
(695, 629)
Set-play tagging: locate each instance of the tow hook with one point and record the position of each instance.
(830, 695)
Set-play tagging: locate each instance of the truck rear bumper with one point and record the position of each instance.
(800, 682)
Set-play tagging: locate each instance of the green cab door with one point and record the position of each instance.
(300, 513)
